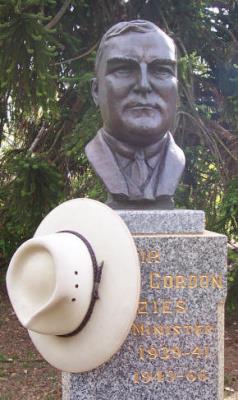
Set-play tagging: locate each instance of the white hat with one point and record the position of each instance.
(75, 285)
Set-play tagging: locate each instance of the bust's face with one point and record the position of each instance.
(136, 86)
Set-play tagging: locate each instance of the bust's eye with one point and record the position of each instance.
(121, 68)
(162, 71)
(124, 69)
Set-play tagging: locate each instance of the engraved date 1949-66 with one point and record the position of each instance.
(169, 376)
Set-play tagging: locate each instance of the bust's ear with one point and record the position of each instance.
(94, 90)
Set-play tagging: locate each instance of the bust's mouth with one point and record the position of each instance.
(143, 106)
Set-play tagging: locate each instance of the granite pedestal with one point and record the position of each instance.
(175, 348)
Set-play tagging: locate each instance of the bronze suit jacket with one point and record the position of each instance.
(163, 181)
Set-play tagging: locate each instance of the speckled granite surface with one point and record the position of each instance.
(164, 221)
(175, 348)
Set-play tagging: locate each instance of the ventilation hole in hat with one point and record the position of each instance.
(76, 286)
(73, 299)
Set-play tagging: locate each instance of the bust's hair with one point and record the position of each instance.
(121, 28)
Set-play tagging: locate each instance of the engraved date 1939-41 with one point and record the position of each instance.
(167, 353)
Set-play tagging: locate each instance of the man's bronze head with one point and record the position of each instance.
(136, 84)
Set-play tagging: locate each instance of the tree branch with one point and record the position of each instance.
(86, 53)
(57, 136)
(58, 16)
(38, 138)
(169, 32)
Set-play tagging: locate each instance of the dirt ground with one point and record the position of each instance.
(231, 356)
(24, 375)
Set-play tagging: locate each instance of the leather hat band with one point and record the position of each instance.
(97, 273)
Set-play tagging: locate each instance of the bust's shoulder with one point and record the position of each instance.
(99, 153)
(97, 144)
(103, 162)
(175, 151)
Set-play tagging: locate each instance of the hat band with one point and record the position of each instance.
(97, 273)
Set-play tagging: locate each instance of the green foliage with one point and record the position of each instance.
(3, 358)
(201, 187)
(84, 182)
(27, 53)
(228, 222)
(89, 185)
(192, 62)
(30, 186)
(232, 298)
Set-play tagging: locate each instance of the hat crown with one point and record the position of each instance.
(50, 283)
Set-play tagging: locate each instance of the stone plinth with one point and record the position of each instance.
(164, 221)
(175, 348)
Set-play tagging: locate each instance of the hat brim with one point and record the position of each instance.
(115, 310)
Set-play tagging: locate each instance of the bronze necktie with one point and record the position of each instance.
(139, 169)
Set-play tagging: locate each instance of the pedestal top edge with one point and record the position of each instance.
(164, 221)
(161, 212)
(205, 234)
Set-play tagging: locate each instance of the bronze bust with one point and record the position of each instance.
(135, 87)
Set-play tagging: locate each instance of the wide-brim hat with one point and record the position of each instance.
(75, 285)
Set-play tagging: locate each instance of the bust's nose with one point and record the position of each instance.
(143, 83)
